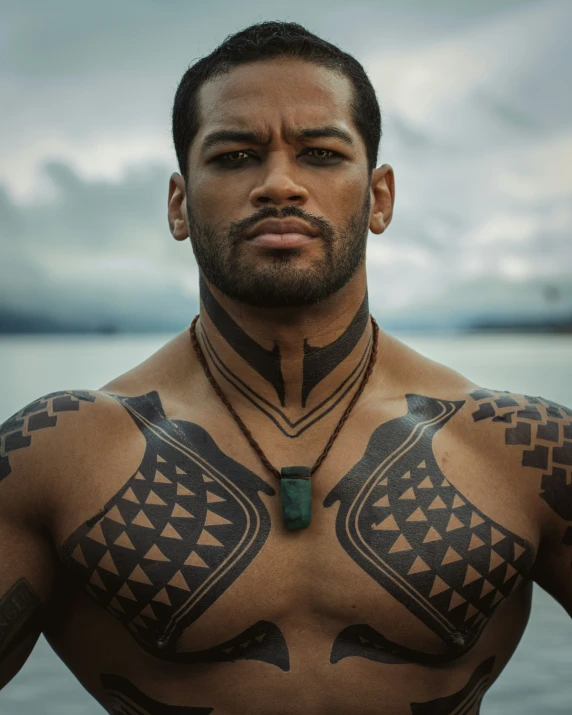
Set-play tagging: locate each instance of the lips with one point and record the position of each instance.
(281, 227)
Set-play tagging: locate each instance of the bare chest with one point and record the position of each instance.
(190, 554)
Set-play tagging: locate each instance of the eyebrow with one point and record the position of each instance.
(227, 136)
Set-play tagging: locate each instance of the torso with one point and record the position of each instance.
(182, 591)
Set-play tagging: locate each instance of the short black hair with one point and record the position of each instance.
(266, 40)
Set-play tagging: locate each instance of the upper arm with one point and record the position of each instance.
(28, 562)
(553, 568)
(26, 582)
(541, 431)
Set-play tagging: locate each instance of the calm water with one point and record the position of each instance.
(537, 680)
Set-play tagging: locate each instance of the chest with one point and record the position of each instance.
(191, 549)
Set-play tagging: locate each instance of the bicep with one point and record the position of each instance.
(551, 455)
(26, 582)
(35, 445)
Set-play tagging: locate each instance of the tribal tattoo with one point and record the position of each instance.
(363, 641)
(124, 698)
(263, 641)
(465, 700)
(318, 363)
(265, 362)
(182, 529)
(415, 534)
(16, 432)
(543, 430)
(19, 616)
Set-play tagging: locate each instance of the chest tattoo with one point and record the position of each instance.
(124, 698)
(176, 535)
(463, 702)
(408, 527)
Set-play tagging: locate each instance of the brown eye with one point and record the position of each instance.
(323, 156)
(234, 156)
(233, 159)
(323, 153)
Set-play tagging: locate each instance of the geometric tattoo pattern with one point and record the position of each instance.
(363, 641)
(315, 358)
(175, 536)
(464, 701)
(318, 363)
(263, 641)
(16, 432)
(415, 534)
(289, 428)
(265, 362)
(543, 429)
(123, 698)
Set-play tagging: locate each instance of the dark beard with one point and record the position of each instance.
(279, 282)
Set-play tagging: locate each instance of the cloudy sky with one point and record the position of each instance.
(476, 105)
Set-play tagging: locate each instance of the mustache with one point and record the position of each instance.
(238, 230)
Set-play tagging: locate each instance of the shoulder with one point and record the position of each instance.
(528, 437)
(52, 435)
(539, 431)
(46, 412)
(520, 447)
(532, 432)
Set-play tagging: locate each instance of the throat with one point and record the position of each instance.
(295, 377)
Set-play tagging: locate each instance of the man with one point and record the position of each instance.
(143, 528)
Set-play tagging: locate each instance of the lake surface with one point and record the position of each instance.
(537, 679)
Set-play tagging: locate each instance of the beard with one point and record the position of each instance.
(278, 280)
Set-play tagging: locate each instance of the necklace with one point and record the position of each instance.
(295, 484)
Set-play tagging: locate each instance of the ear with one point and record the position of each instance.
(382, 198)
(177, 208)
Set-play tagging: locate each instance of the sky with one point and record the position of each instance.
(477, 126)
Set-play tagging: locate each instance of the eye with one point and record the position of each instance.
(323, 155)
(232, 158)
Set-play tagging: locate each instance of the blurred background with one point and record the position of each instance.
(474, 271)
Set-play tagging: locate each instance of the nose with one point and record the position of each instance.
(278, 184)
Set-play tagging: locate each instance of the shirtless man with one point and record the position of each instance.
(141, 531)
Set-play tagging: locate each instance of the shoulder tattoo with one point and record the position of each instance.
(17, 431)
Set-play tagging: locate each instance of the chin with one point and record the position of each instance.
(289, 293)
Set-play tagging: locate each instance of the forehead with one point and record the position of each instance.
(286, 92)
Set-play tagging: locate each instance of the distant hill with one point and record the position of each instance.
(16, 323)
(538, 305)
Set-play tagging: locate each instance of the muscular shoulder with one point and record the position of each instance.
(516, 446)
(537, 432)
(518, 449)
(52, 437)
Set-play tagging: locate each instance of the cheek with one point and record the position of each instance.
(211, 202)
(343, 200)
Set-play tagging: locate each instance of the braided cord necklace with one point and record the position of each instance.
(295, 484)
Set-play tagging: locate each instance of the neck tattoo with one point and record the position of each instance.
(295, 484)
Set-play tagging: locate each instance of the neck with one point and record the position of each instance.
(296, 364)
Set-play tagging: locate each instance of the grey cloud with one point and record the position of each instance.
(478, 194)
(97, 253)
(83, 39)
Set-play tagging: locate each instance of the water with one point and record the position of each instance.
(537, 678)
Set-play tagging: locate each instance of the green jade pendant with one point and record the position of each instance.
(296, 495)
